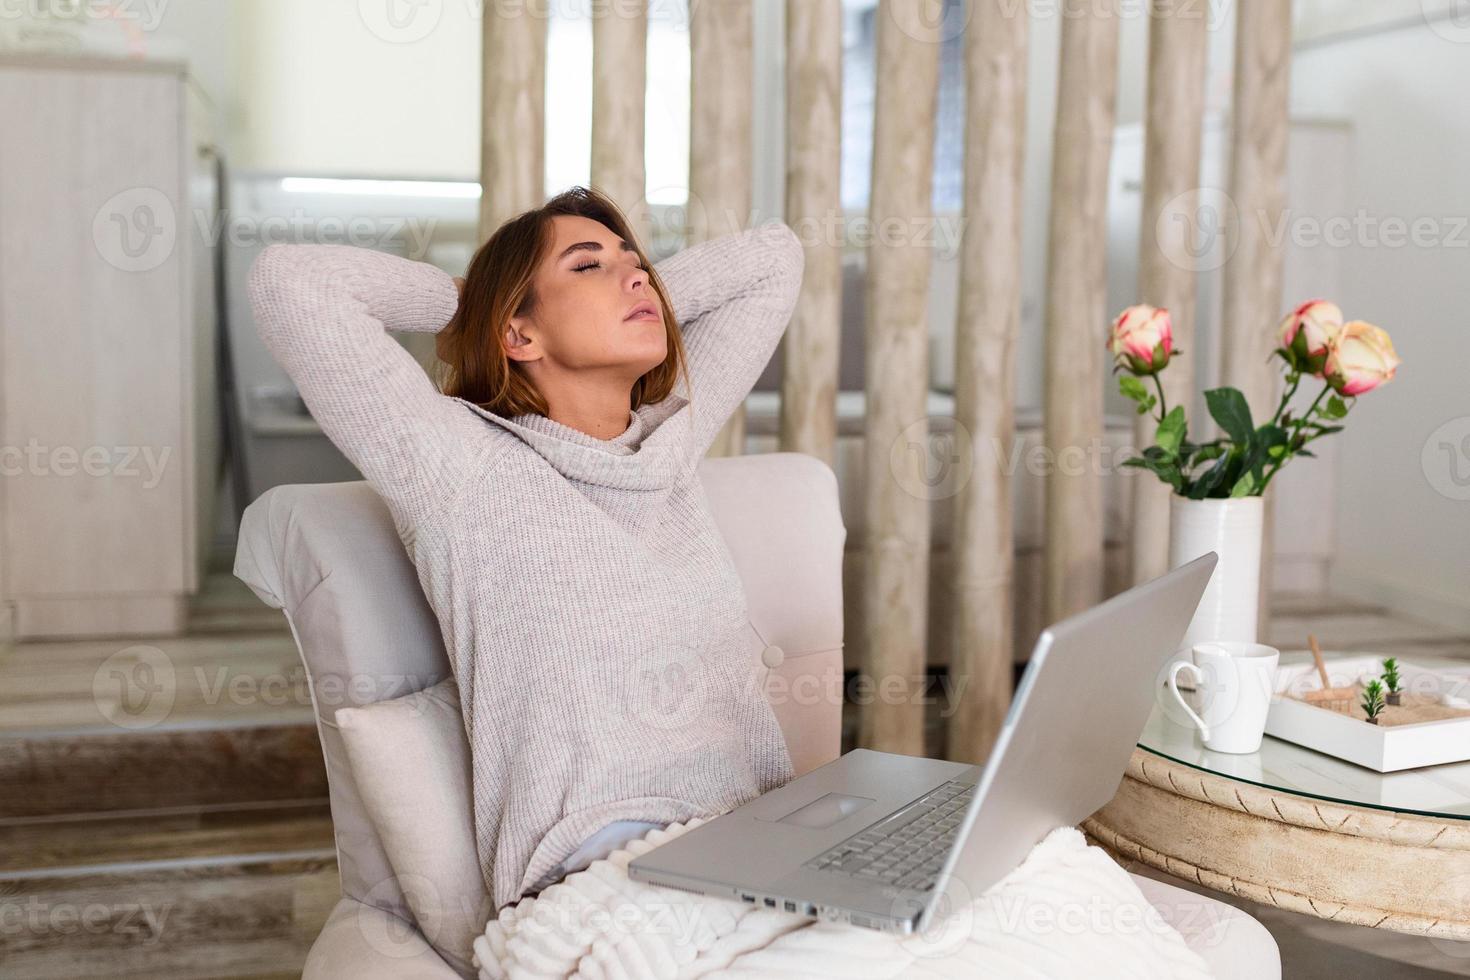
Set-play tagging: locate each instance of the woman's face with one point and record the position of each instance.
(586, 285)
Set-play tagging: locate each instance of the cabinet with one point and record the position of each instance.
(108, 431)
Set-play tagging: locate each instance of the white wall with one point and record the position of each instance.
(1404, 527)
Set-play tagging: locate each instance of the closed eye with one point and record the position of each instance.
(594, 265)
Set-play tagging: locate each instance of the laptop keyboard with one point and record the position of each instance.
(906, 848)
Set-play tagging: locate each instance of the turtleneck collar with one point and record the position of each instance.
(648, 455)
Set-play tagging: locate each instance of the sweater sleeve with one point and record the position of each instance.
(733, 297)
(323, 312)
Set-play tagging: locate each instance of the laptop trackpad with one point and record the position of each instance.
(824, 811)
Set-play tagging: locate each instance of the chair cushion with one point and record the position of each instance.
(410, 760)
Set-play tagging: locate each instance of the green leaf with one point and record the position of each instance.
(1336, 407)
(1208, 452)
(1132, 388)
(1306, 452)
(1171, 430)
(1212, 479)
(1228, 407)
(1244, 485)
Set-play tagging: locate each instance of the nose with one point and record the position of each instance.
(640, 277)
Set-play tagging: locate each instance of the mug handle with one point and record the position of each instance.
(1199, 678)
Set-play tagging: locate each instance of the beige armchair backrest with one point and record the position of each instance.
(329, 557)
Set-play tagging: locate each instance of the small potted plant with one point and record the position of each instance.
(1216, 503)
(1391, 680)
(1372, 702)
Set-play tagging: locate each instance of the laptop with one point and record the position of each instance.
(889, 842)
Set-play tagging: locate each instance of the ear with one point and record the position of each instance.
(519, 346)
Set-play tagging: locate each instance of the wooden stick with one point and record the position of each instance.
(1329, 697)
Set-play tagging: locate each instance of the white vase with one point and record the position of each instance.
(1230, 527)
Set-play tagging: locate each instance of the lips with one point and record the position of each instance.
(644, 310)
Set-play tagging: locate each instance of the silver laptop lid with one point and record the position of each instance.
(1071, 728)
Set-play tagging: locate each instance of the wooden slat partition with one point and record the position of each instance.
(813, 181)
(896, 512)
(619, 79)
(513, 117)
(989, 323)
(1252, 280)
(1177, 50)
(720, 146)
(1075, 309)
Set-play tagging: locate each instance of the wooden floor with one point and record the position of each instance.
(196, 841)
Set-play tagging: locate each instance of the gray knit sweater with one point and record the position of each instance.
(592, 614)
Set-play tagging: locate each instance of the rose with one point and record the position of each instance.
(1142, 339)
(1307, 330)
(1348, 358)
(1359, 358)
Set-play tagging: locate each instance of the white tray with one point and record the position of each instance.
(1386, 749)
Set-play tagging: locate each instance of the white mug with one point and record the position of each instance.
(1234, 680)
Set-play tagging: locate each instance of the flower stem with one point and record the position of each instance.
(1296, 428)
(1163, 406)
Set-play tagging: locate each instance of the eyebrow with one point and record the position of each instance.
(591, 247)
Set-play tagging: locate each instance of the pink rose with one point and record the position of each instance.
(1142, 339)
(1307, 330)
(1360, 357)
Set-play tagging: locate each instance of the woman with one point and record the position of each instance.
(548, 497)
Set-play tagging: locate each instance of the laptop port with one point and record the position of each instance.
(770, 903)
(746, 898)
(790, 906)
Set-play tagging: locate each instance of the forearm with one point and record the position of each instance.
(323, 312)
(766, 259)
(733, 297)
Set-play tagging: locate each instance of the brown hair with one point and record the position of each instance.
(474, 362)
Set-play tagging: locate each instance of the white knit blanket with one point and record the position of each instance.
(1068, 911)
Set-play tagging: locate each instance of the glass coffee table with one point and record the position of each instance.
(1294, 828)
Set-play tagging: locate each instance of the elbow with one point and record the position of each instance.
(790, 255)
(786, 256)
